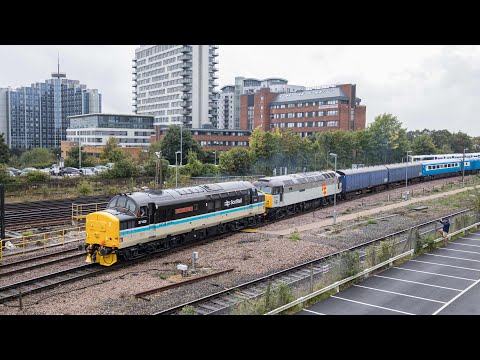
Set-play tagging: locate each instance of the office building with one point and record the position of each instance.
(176, 84)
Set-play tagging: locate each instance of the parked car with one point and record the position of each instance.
(101, 168)
(70, 172)
(15, 171)
(27, 170)
(87, 171)
(109, 165)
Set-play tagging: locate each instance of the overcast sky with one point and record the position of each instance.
(430, 87)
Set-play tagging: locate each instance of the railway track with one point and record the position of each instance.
(4, 269)
(220, 303)
(21, 288)
(41, 212)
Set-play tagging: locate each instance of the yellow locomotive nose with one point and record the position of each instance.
(102, 236)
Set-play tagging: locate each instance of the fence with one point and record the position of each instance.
(30, 242)
(329, 273)
(80, 211)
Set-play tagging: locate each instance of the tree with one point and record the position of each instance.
(73, 160)
(459, 141)
(4, 151)
(442, 140)
(237, 161)
(423, 145)
(388, 138)
(111, 152)
(171, 144)
(194, 166)
(38, 157)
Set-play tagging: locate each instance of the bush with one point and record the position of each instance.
(386, 251)
(350, 261)
(295, 236)
(84, 188)
(36, 176)
(187, 310)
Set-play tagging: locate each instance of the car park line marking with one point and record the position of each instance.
(427, 272)
(456, 297)
(452, 257)
(455, 243)
(396, 293)
(464, 251)
(380, 307)
(416, 282)
(315, 312)
(465, 238)
(454, 266)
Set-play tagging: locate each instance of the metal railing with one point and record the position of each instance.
(40, 240)
(80, 211)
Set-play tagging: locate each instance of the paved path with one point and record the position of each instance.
(347, 217)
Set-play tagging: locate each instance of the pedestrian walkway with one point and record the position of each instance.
(347, 217)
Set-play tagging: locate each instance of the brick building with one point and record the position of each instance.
(305, 112)
(212, 138)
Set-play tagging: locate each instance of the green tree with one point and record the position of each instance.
(171, 144)
(388, 138)
(38, 157)
(4, 151)
(194, 166)
(265, 148)
(442, 140)
(423, 145)
(73, 160)
(459, 141)
(123, 168)
(237, 161)
(111, 151)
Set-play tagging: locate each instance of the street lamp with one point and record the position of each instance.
(406, 177)
(176, 167)
(215, 153)
(335, 193)
(181, 143)
(463, 167)
(79, 153)
(158, 169)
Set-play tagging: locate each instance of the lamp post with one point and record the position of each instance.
(79, 153)
(181, 143)
(215, 153)
(406, 177)
(463, 167)
(158, 169)
(176, 167)
(335, 193)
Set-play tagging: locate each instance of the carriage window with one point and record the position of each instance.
(210, 205)
(218, 204)
(121, 202)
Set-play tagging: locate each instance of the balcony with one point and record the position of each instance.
(214, 105)
(134, 72)
(213, 53)
(186, 65)
(186, 73)
(212, 69)
(186, 104)
(186, 49)
(214, 96)
(213, 76)
(186, 97)
(186, 81)
(186, 57)
(214, 61)
(186, 88)
(215, 47)
(185, 112)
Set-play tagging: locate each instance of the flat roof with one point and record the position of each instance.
(108, 114)
(336, 93)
